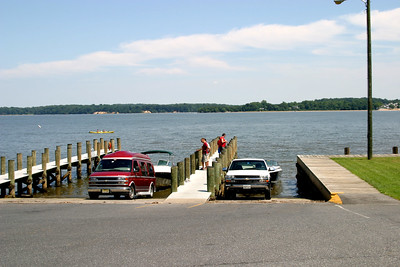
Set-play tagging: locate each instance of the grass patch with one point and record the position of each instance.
(381, 173)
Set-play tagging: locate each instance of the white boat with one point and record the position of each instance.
(274, 170)
(162, 162)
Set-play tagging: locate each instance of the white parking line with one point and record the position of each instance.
(352, 212)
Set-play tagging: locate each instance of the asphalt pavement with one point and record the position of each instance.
(226, 233)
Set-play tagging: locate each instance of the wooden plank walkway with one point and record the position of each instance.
(195, 189)
(336, 183)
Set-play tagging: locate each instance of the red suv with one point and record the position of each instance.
(123, 173)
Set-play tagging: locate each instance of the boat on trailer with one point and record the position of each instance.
(162, 161)
(274, 170)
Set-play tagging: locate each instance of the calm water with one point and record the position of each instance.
(270, 135)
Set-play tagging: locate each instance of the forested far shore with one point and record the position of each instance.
(307, 105)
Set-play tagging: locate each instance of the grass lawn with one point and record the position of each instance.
(381, 173)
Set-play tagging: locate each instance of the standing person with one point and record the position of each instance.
(221, 143)
(206, 153)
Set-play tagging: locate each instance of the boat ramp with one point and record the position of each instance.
(335, 183)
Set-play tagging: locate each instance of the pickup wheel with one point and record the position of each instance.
(93, 195)
(132, 192)
(268, 194)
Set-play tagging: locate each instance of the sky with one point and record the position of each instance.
(194, 51)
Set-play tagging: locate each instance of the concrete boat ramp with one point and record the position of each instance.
(337, 184)
(195, 189)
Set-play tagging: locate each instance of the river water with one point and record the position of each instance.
(270, 135)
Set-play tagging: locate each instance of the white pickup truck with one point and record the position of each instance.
(248, 176)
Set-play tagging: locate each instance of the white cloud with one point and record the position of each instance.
(271, 37)
(85, 63)
(194, 50)
(161, 71)
(208, 62)
(385, 24)
(283, 37)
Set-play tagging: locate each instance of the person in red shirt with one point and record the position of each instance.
(221, 143)
(206, 153)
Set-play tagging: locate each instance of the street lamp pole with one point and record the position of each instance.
(370, 104)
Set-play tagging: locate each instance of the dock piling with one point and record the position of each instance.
(19, 161)
(198, 160)
(211, 181)
(89, 162)
(112, 145)
(181, 173)
(3, 165)
(33, 157)
(95, 144)
(47, 152)
(44, 175)
(79, 163)
(29, 179)
(187, 168)
(58, 169)
(69, 167)
(97, 161)
(105, 147)
(11, 177)
(174, 178)
(119, 144)
(193, 163)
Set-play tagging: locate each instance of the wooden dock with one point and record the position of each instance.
(199, 186)
(36, 178)
(194, 190)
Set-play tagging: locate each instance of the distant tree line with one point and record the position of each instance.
(307, 105)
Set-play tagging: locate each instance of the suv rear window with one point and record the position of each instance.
(115, 165)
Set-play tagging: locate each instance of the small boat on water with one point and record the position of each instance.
(100, 132)
(162, 162)
(274, 170)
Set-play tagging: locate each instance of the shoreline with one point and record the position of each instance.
(267, 111)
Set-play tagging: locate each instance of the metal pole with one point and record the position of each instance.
(370, 104)
(369, 63)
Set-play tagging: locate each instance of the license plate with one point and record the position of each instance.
(246, 186)
(105, 191)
